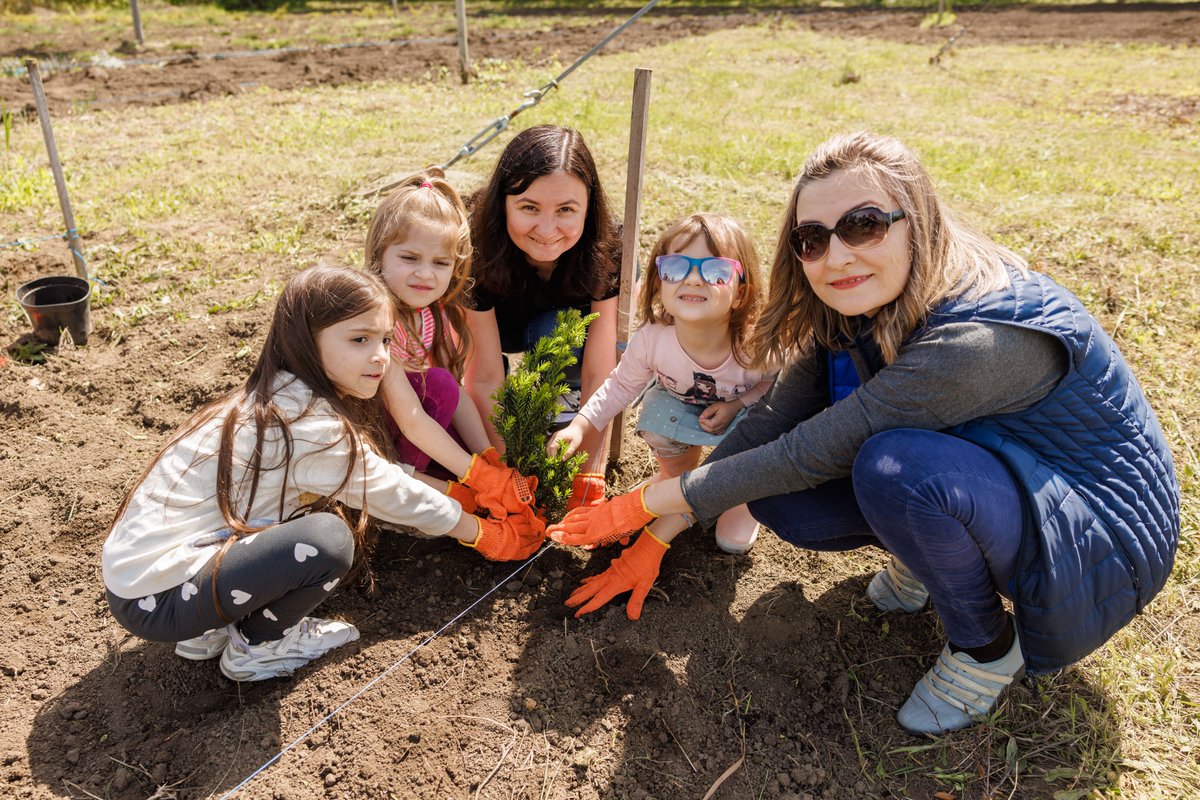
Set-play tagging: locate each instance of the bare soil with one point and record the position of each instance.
(773, 663)
(214, 68)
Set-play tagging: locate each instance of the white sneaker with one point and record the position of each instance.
(209, 644)
(310, 639)
(896, 589)
(959, 690)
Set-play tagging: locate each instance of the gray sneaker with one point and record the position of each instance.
(310, 639)
(959, 690)
(209, 644)
(896, 589)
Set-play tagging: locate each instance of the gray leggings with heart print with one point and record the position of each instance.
(267, 582)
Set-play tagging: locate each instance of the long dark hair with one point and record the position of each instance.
(427, 197)
(589, 267)
(311, 301)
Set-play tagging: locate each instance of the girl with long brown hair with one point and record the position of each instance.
(214, 547)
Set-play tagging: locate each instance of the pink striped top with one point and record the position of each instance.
(414, 354)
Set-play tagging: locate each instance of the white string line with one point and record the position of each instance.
(382, 675)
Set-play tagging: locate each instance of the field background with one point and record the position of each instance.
(1068, 132)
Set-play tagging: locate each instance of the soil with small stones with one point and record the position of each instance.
(768, 665)
(213, 68)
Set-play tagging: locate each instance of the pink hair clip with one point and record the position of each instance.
(426, 185)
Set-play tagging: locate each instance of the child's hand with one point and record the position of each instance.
(572, 436)
(500, 489)
(514, 538)
(716, 418)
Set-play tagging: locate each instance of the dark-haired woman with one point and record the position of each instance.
(544, 242)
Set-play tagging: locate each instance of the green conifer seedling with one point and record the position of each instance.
(526, 405)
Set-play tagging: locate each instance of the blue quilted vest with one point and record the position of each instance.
(1102, 498)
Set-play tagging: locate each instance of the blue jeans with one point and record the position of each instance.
(950, 510)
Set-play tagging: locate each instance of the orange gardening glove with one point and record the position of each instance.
(604, 523)
(465, 496)
(501, 489)
(587, 489)
(633, 571)
(493, 457)
(514, 538)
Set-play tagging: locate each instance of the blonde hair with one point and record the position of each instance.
(726, 238)
(427, 198)
(947, 257)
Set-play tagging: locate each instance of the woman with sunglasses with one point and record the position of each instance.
(544, 242)
(997, 444)
(697, 306)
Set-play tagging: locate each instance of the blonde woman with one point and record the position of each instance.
(990, 436)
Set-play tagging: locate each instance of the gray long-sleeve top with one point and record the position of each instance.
(793, 439)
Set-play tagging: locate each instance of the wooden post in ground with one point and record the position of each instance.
(464, 56)
(64, 202)
(941, 11)
(629, 235)
(137, 23)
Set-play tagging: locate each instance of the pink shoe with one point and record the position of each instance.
(737, 531)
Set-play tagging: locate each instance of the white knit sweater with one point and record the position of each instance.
(165, 535)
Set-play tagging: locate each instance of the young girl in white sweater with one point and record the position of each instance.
(213, 548)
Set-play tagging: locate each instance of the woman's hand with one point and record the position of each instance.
(604, 523)
(716, 418)
(633, 571)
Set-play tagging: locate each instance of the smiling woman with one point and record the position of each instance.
(994, 440)
(544, 242)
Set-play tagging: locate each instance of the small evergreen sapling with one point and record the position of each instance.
(526, 405)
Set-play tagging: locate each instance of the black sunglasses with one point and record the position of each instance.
(857, 229)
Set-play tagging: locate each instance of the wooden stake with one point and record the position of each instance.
(464, 57)
(137, 23)
(629, 235)
(64, 202)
